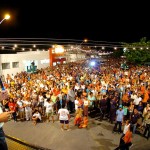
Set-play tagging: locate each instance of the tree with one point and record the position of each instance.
(137, 52)
(117, 53)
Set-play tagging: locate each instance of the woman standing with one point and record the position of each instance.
(12, 107)
(49, 110)
(126, 140)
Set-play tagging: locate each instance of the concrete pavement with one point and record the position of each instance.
(98, 136)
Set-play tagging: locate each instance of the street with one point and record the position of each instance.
(97, 136)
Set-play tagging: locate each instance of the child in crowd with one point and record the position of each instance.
(36, 117)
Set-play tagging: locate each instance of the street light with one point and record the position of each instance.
(84, 41)
(7, 16)
(79, 47)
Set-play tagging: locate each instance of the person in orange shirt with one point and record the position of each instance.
(125, 98)
(146, 97)
(142, 89)
(78, 117)
(57, 91)
(142, 77)
(126, 140)
(84, 123)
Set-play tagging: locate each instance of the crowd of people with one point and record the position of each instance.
(110, 92)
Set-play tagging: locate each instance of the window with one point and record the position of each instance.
(5, 66)
(15, 64)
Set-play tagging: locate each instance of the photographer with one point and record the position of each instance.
(4, 116)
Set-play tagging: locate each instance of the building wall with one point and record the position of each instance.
(41, 59)
(24, 59)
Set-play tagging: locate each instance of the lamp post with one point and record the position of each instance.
(84, 41)
(7, 16)
(80, 47)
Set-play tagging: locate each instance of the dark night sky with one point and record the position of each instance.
(115, 22)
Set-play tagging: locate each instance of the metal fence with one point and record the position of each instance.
(17, 144)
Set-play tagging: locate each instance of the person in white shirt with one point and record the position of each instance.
(20, 106)
(133, 95)
(28, 110)
(49, 110)
(77, 87)
(76, 103)
(126, 126)
(137, 100)
(41, 103)
(125, 129)
(36, 117)
(64, 116)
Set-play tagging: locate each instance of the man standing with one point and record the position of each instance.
(134, 119)
(71, 99)
(119, 119)
(147, 125)
(64, 117)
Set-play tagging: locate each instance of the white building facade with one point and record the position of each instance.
(15, 63)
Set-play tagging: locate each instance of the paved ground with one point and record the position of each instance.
(98, 136)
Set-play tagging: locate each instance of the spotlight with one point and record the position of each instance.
(92, 63)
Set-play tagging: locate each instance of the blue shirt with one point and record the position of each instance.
(120, 114)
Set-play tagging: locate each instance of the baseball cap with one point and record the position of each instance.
(120, 106)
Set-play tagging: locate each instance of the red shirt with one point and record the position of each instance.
(12, 106)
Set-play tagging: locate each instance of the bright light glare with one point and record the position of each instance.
(85, 40)
(59, 49)
(7, 16)
(15, 45)
(92, 63)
